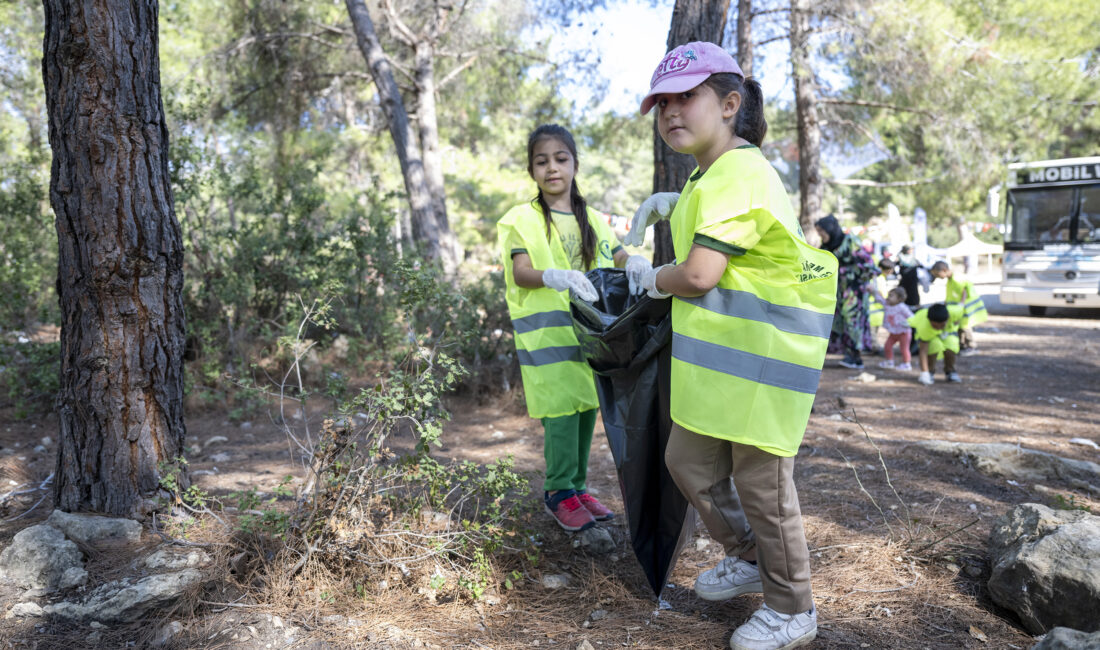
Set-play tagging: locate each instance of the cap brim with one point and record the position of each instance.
(676, 84)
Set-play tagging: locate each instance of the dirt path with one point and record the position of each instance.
(1035, 383)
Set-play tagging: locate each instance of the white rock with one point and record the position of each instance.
(41, 558)
(701, 544)
(497, 435)
(1084, 442)
(127, 600)
(19, 610)
(555, 581)
(166, 559)
(221, 457)
(246, 425)
(39, 449)
(213, 440)
(88, 529)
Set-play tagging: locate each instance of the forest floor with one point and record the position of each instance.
(1034, 383)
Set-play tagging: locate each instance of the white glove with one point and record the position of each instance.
(649, 282)
(926, 379)
(562, 280)
(636, 265)
(656, 207)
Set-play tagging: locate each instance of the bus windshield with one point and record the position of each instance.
(1062, 215)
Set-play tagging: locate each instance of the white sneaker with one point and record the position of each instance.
(886, 364)
(730, 577)
(904, 366)
(926, 379)
(968, 352)
(954, 378)
(767, 629)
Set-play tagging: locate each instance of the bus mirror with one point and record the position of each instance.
(993, 201)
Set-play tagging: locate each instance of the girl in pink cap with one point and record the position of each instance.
(751, 316)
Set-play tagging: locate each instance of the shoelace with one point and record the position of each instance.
(571, 504)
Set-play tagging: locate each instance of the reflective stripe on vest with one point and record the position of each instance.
(745, 365)
(547, 356)
(742, 304)
(974, 306)
(555, 318)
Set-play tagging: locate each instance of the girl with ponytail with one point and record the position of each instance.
(752, 308)
(546, 245)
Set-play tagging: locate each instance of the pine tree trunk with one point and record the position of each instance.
(120, 270)
(744, 36)
(427, 122)
(692, 20)
(810, 187)
(426, 232)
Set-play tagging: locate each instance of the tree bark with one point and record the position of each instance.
(428, 125)
(744, 36)
(692, 20)
(810, 185)
(426, 231)
(120, 270)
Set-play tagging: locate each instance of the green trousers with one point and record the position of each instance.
(565, 444)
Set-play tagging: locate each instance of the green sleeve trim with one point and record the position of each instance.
(517, 251)
(746, 146)
(718, 245)
(615, 250)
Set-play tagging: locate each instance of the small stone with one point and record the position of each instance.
(39, 449)
(46, 441)
(246, 425)
(213, 440)
(221, 457)
(585, 645)
(89, 529)
(701, 544)
(497, 435)
(598, 615)
(555, 581)
(276, 622)
(20, 610)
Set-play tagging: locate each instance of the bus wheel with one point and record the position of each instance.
(1037, 310)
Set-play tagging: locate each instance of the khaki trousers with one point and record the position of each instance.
(747, 499)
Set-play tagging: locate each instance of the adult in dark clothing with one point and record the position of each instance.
(911, 275)
(851, 326)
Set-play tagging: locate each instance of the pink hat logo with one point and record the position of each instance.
(687, 66)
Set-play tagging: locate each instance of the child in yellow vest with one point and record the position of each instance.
(936, 330)
(752, 309)
(546, 245)
(960, 290)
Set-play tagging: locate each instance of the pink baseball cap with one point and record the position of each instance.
(687, 66)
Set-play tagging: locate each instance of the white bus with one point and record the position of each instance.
(1052, 234)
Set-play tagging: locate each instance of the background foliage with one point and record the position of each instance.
(287, 188)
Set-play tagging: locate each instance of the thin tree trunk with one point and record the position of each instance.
(692, 20)
(426, 231)
(427, 121)
(810, 184)
(120, 269)
(744, 36)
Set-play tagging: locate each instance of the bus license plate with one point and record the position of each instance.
(1070, 298)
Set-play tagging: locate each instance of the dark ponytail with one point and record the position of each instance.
(576, 200)
(749, 123)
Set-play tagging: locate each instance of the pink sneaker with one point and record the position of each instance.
(599, 511)
(571, 515)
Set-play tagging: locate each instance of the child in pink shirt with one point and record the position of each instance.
(895, 314)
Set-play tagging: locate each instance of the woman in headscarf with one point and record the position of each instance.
(851, 326)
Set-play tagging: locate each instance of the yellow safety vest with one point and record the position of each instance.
(556, 380)
(747, 355)
(938, 340)
(877, 314)
(975, 307)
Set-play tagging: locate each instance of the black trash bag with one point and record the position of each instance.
(625, 339)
